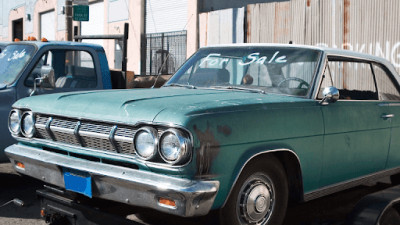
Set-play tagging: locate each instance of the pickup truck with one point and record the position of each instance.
(33, 68)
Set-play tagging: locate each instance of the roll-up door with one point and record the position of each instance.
(166, 16)
(47, 25)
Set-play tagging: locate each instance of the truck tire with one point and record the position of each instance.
(260, 195)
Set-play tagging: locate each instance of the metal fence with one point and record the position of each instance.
(165, 52)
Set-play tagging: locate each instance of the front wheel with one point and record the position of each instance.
(260, 195)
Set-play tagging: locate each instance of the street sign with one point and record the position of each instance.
(81, 2)
(81, 13)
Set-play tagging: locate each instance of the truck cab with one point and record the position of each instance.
(35, 68)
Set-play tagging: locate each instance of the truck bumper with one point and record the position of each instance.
(131, 186)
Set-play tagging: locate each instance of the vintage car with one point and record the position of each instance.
(242, 129)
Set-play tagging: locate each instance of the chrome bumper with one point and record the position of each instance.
(130, 186)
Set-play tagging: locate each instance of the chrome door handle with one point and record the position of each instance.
(387, 116)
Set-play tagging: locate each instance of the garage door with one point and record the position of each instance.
(47, 25)
(166, 16)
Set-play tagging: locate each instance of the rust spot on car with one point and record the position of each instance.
(225, 130)
(209, 149)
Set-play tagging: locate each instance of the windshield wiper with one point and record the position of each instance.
(240, 88)
(180, 85)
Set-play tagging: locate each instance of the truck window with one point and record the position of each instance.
(65, 69)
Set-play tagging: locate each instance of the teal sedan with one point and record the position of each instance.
(242, 129)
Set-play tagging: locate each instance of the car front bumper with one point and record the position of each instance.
(131, 186)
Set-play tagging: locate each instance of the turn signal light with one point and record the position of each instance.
(17, 40)
(42, 213)
(31, 38)
(167, 202)
(20, 165)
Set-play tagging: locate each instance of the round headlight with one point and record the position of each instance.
(146, 143)
(174, 147)
(14, 121)
(28, 124)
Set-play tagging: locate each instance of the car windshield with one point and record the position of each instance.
(13, 60)
(282, 70)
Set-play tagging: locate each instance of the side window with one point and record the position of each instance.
(387, 90)
(355, 80)
(78, 71)
(64, 69)
(327, 81)
(43, 69)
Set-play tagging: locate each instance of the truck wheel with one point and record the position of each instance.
(260, 195)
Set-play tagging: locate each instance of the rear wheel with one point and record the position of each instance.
(260, 195)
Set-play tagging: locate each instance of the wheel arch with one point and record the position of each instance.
(291, 163)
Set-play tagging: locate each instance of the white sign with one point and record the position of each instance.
(81, 2)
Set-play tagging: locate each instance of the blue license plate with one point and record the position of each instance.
(78, 181)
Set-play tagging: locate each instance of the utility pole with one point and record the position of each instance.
(68, 20)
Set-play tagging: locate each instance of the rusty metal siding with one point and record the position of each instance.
(369, 26)
(221, 27)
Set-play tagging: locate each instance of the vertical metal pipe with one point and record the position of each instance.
(143, 44)
(125, 47)
(162, 53)
(68, 20)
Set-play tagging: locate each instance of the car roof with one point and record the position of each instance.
(41, 44)
(328, 51)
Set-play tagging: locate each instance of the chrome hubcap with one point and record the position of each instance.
(256, 201)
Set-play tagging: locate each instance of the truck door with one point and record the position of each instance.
(61, 70)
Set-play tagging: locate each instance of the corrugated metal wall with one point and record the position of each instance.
(368, 26)
(221, 27)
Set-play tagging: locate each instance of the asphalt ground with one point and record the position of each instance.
(330, 210)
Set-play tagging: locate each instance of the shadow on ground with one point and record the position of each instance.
(16, 186)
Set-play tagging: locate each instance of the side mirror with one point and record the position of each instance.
(46, 80)
(331, 95)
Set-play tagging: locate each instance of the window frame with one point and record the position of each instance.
(337, 57)
(49, 50)
(390, 76)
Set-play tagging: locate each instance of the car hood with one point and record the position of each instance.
(146, 105)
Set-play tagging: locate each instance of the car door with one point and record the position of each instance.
(61, 70)
(389, 94)
(357, 133)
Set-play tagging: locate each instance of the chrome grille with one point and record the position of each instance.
(93, 135)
